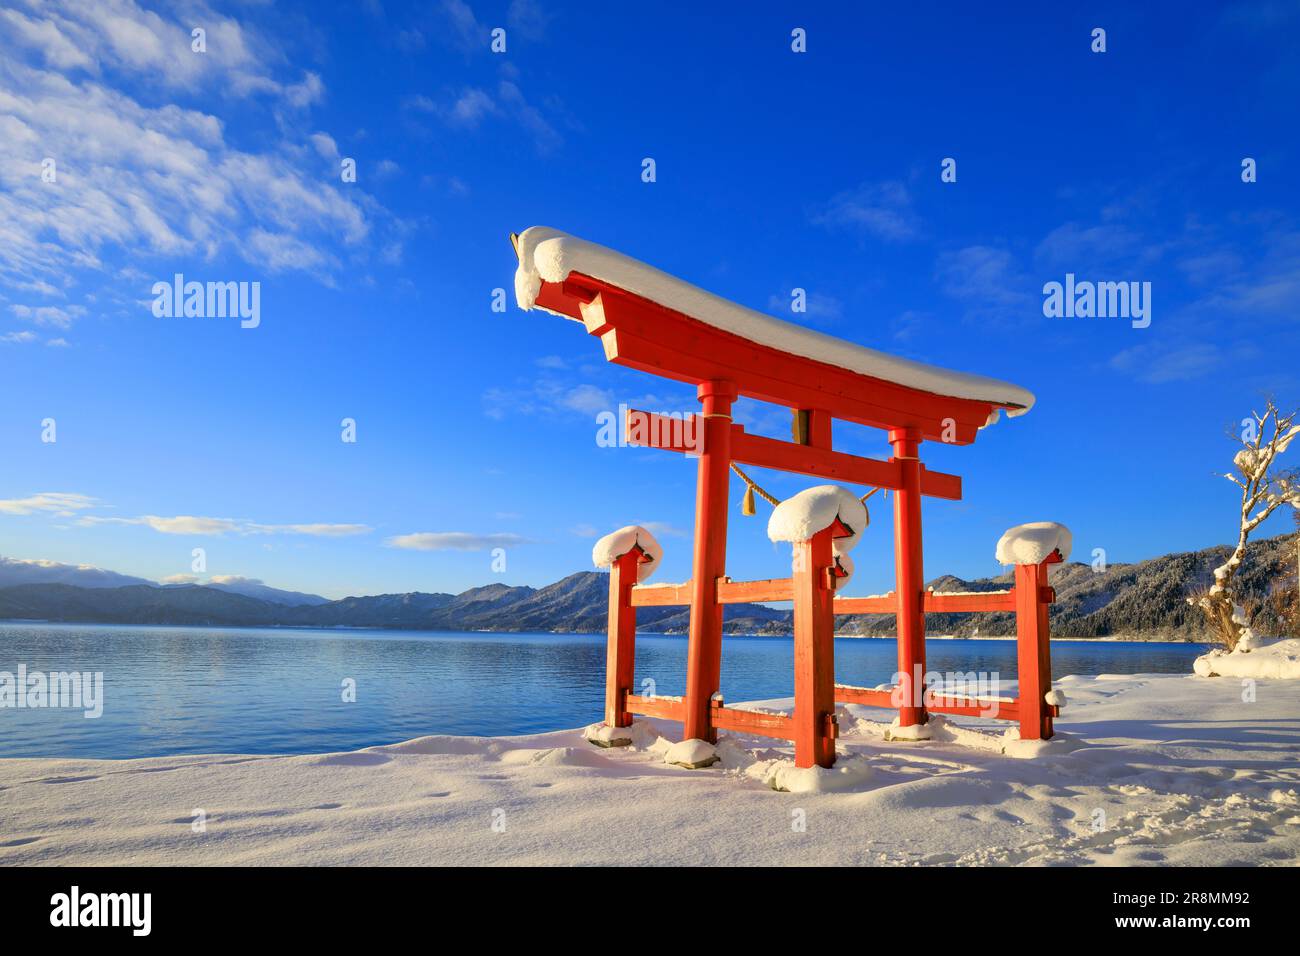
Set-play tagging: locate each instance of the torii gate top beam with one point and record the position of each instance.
(649, 320)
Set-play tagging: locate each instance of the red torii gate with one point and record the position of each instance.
(650, 321)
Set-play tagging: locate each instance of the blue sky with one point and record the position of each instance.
(775, 170)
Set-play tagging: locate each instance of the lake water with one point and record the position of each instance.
(170, 690)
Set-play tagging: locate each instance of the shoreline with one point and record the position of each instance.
(1107, 638)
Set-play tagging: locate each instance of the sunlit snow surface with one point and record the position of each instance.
(1147, 770)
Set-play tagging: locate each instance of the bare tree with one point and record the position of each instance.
(1295, 514)
(1264, 489)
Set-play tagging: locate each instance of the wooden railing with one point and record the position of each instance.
(782, 589)
(1029, 599)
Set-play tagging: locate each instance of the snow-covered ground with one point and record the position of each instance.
(1253, 657)
(1150, 770)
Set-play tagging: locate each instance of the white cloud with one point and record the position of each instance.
(45, 36)
(60, 503)
(18, 338)
(454, 541)
(465, 28)
(140, 180)
(1160, 364)
(120, 36)
(48, 314)
(527, 17)
(317, 530)
(324, 145)
(180, 524)
(1072, 247)
(196, 525)
(475, 104)
(991, 284)
(882, 209)
(470, 107)
(826, 308)
(587, 399)
(983, 275)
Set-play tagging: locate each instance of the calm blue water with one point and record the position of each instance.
(174, 690)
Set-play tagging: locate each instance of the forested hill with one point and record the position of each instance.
(1146, 599)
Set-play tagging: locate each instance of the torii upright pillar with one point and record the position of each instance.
(909, 569)
(704, 651)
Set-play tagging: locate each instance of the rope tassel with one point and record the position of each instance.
(751, 486)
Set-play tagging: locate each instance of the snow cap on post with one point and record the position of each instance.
(1034, 543)
(613, 546)
(800, 517)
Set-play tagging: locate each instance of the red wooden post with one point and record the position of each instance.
(704, 650)
(1033, 654)
(620, 648)
(814, 652)
(909, 571)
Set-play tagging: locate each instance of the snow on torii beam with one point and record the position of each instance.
(651, 321)
(656, 323)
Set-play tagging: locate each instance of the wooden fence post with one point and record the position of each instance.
(814, 652)
(1033, 649)
(620, 648)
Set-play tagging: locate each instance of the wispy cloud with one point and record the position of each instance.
(818, 306)
(468, 108)
(1159, 363)
(133, 180)
(62, 504)
(528, 17)
(989, 281)
(464, 28)
(49, 315)
(1079, 248)
(883, 210)
(197, 525)
(455, 541)
(549, 396)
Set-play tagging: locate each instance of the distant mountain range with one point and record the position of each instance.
(1146, 599)
(14, 571)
